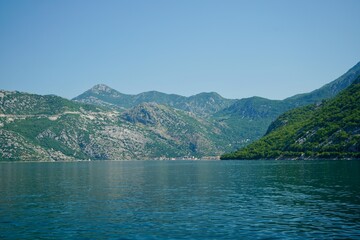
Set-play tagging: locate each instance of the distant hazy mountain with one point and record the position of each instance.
(202, 104)
(327, 130)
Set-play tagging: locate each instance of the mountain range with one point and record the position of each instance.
(244, 120)
(203, 104)
(103, 123)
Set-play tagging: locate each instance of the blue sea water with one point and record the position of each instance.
(180, 200)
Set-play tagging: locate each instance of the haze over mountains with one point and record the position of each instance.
(103, 123)
(202, 104)
(105, 96)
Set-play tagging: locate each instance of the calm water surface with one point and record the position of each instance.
(180, 200)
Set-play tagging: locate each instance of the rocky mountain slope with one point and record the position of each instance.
(47, 128)
(327, 130)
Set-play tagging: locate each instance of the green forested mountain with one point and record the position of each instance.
(249, 118)
(327, 130)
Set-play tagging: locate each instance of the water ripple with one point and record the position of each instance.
(180, 200)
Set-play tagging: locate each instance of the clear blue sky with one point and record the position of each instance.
(269, 48)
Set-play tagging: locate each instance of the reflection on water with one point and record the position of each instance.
(180, 199)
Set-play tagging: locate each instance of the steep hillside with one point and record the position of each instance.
(327, 91)
(327, 130)
(250, 117)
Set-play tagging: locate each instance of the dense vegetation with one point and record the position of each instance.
(327, 130)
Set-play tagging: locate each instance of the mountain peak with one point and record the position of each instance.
(208, 94)
(101, 88)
